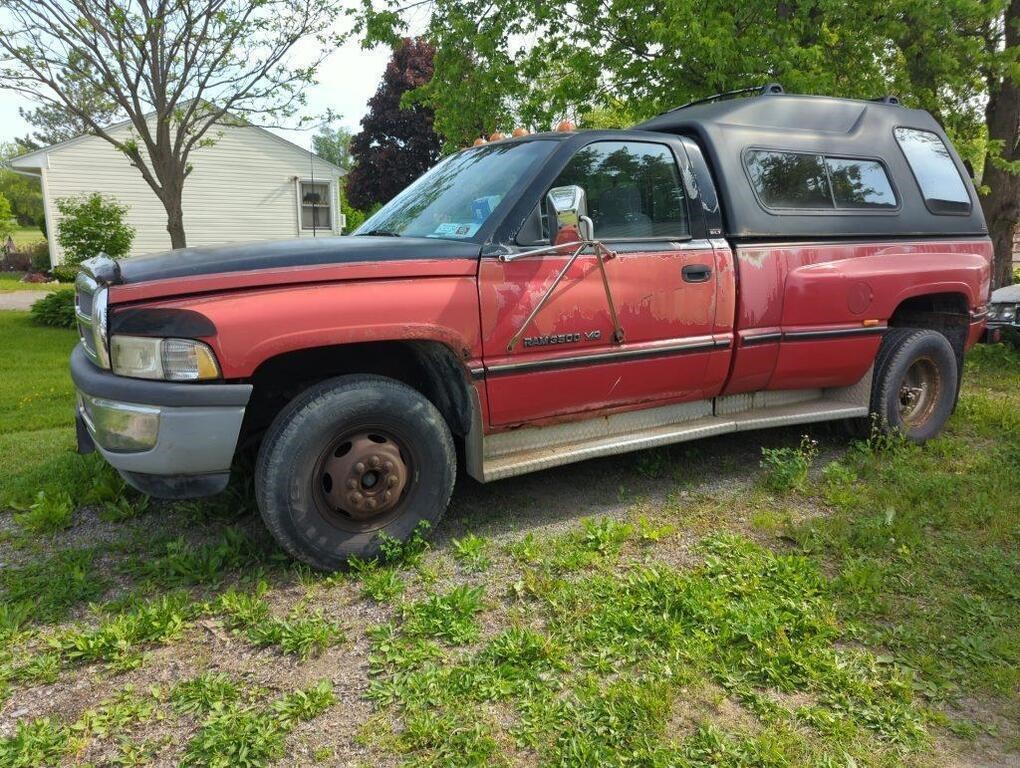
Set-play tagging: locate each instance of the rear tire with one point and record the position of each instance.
(348, 460)
(915, 383)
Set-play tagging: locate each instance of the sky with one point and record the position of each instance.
(346, 82)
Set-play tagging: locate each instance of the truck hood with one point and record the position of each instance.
(282, 254)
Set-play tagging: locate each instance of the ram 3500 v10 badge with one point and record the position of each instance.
(729, 265)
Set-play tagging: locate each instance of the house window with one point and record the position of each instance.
(316, 205)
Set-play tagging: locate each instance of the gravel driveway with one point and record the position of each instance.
(20, 299)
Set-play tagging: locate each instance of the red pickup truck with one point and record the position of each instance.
(729, 265)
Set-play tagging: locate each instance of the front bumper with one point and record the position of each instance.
(166, 439)
(996, 332)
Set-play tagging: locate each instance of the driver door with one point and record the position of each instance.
(663, 281)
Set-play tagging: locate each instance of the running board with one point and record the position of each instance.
(529, 449)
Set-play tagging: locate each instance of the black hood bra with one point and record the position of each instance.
(303, 252)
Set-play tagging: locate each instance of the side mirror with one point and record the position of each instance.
(567, 211)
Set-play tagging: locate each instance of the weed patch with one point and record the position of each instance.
(252, 737)
(183, 564)
(298, 635)
(786, 469)
(449, 617)
(472, 552)
(48, 589)
(118, 641)
(203, 694)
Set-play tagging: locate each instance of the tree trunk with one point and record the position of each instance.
(175, 226)
(1002, 203)
(172, 202)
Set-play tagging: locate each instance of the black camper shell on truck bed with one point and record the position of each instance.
(809, 167)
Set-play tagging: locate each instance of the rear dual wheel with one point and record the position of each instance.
(915, 382)
(349, 460)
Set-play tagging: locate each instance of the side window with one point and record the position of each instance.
(936, 173)
(788, 179)
(859, 183)
(802, 181)
(633, 191)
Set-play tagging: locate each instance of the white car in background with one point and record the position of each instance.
(1004, 311)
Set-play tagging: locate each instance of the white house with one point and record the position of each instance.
(249, 185)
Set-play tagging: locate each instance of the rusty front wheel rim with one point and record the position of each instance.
(919, 392)
(362, 478)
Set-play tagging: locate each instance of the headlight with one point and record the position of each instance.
(1002, 313)
(142, 357)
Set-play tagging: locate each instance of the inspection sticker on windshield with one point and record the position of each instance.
(455, 229)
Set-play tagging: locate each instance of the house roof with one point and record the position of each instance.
(38, 159)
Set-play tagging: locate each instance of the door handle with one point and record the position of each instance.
(696, 273)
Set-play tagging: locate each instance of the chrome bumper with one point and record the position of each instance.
(163, 437)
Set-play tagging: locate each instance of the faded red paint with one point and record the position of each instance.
(476, 308)
(805, 286)
(326, 273)
(258, 324)
(655, 306)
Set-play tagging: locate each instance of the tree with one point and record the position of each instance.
(23, 192)
(92, 224)
(174, 69)
(53, 123)
(7, 222)
(500, 64)
(397, 142)
(1001, 202)
(334, 145)
(518, 62)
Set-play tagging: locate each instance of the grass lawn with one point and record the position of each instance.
(858, 605)
(36, 398)
(11, 281)
(27, 236)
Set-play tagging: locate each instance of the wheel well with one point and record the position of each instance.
(946, 313)
(427, 366)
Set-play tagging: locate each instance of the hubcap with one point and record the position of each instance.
(919, 392)
(363, 476)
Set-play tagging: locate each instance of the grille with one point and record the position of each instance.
(85, 306)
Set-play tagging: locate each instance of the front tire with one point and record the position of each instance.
(348, 460)
(915, 386)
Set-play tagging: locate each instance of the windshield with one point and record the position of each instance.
(454, 199)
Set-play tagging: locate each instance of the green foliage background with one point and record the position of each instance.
(516, 62)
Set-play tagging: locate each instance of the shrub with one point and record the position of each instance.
(40, 255)
(56, 310)
(92, 224)
(354, 217)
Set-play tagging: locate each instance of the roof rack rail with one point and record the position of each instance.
(769, 89)
(887, 99)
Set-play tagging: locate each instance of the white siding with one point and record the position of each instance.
(243, 188)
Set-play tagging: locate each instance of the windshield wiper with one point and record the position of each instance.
(382, 233)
